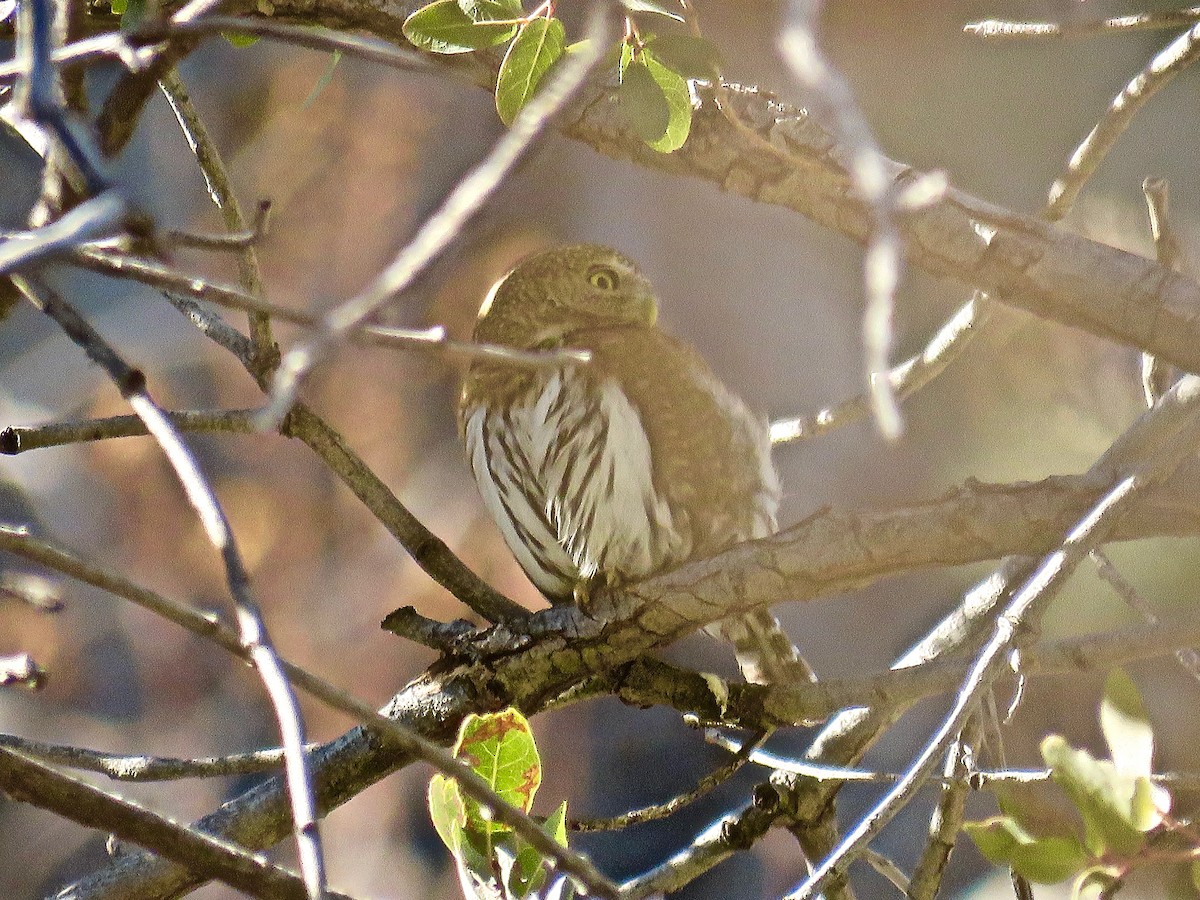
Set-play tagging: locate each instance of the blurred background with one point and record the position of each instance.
(774, 303)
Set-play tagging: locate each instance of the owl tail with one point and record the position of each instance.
(765, 654)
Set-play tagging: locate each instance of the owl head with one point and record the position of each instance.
(555, 292)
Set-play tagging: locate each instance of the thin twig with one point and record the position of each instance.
(441, 228)
(947, 819)
(662, 810)
(1156, 375)
(169, 280)
(883, 262)
(253, 634)
(314, 37)
(999, 28)
(27, 780)
(888, 869)
(120, 767)
(1166, 64)
(209, 627)
(1188, 657)
(216, 178)
(14, 440)
(906, 379)
(97, 217)
(230, 240)
(42, 96)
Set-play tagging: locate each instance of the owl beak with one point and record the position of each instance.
(646, 310)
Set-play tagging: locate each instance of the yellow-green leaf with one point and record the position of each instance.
(1126, 725)
(442, 27)
(643, 103)
(537, 47)
(491, 10)
(651, 7)
(448, 812)
(679, 102)
(690, 56)
(1104, 797)
(500, 748)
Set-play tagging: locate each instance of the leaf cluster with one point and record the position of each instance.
(652, 70)
(1123, 813)
(491, 859)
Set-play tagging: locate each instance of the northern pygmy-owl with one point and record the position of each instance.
(623, 467)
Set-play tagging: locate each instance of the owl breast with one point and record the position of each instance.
(622, 468)
(566, 471)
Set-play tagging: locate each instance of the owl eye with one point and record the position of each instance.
(603, 277)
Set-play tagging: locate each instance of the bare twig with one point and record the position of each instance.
(253, 635)
(884, 260)
(1167, 18)
(314, 37)
(14, 440)
(662, 810)
(441, 228)
(42, 94)
(1157, 377)
(1169, 62)
(120, 767)
(1188, 657)
(216, 178)
(231, 240)
(29, 781)
(98, 217)
(434, 337)
(888, 869)
(905, 379)
(947, 818)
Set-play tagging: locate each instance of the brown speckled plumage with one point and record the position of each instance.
(629, 465)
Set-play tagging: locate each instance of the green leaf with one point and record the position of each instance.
(1126, 726)
(997, 838)
(239, 40)
(442, 27)
(131, 11)
(1103, 796)
(650, 7)
(643, 103)
(679, 102)
(491, 10)
(448, 812)
(690, 56)
(538, 46)
(556, 824)
(1196, 874)
(499, 747)
(1049, 860)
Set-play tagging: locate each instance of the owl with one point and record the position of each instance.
(626, 466)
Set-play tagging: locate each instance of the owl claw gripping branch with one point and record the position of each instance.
(629, 465)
